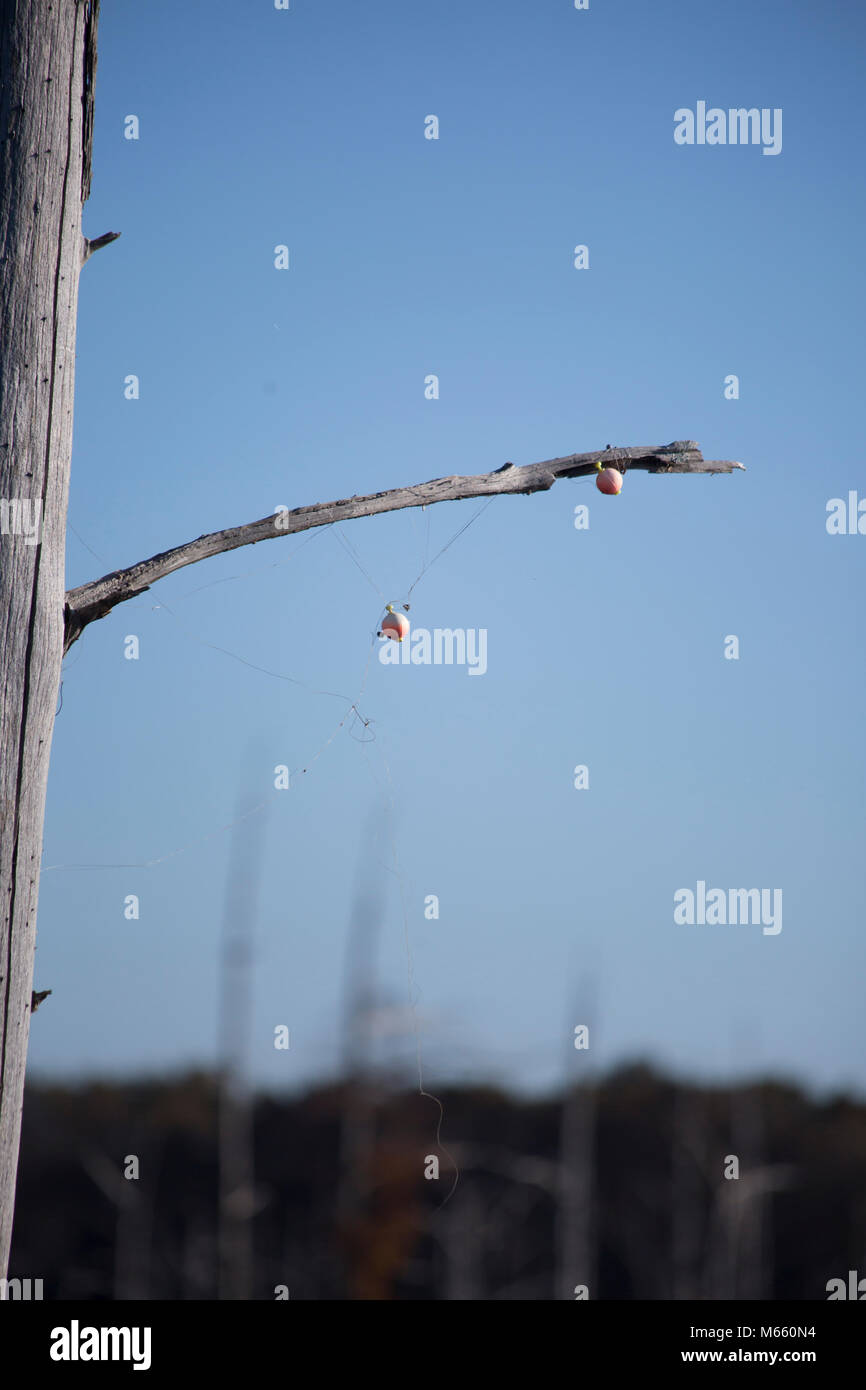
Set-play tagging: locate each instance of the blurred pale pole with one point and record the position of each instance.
(237, 1200)
(575, 1222)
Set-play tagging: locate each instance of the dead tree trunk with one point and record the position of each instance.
(47, 58)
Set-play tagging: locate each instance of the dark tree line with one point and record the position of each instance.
(663, 1222)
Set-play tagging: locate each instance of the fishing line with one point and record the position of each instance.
(456, 536)
(420, 532)
(255, 569)
(410, 977)
(352, 712)
(101, 558)
(354, 557)
(161, 859)
(277, 675)
(192, 844)
(353, 709)
(410, 972)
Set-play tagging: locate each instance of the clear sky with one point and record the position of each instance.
(262, 387)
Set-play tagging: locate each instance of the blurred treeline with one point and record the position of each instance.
(619, 1186)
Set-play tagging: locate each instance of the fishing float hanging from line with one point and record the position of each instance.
(608, 480)
(394, 625)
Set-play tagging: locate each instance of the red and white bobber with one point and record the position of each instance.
(609, 481)
(394, 625)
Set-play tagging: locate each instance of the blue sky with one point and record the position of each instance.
(261, 388)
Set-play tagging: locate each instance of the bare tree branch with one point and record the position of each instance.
(94, 600)
(88, 247)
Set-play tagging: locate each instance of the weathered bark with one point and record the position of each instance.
(47, 56)
(94, 600)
